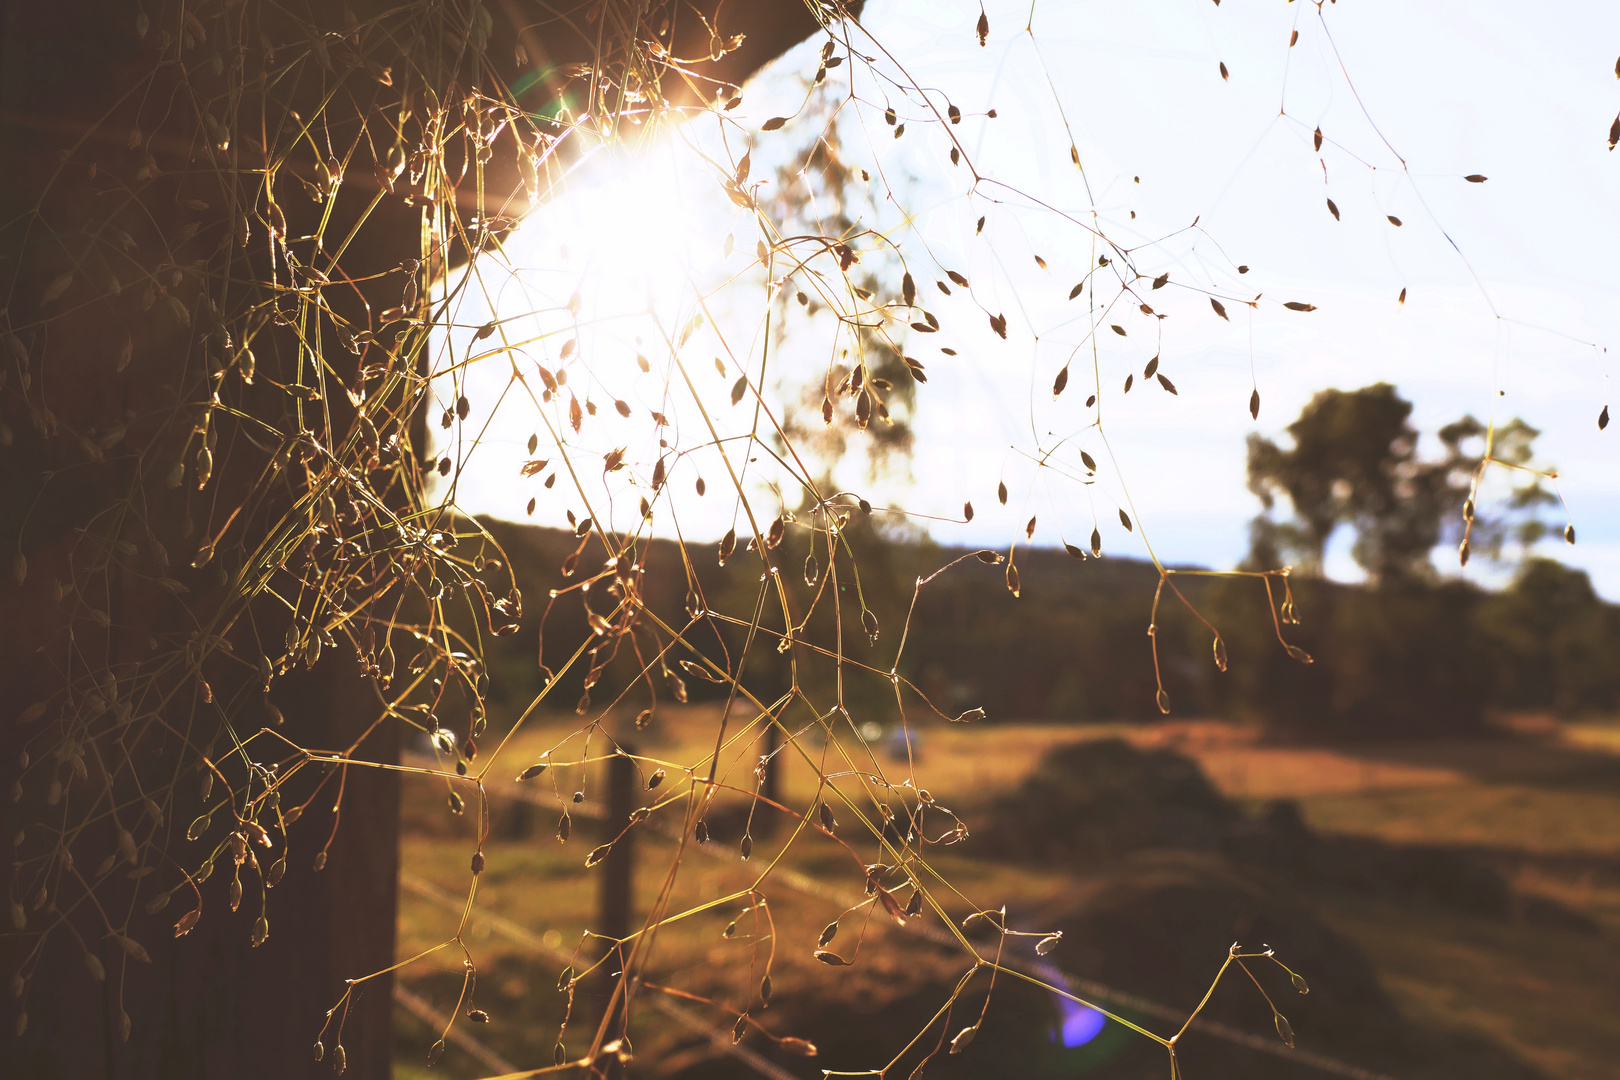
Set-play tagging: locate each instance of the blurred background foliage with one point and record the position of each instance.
(1409, 652)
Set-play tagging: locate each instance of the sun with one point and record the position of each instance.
(635, 230)
(582, 313)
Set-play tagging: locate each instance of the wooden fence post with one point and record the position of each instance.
(767, 817)
(616, 886)
(614, 901)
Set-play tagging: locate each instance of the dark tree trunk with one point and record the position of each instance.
(207, 1004)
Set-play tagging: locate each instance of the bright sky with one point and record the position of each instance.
(1522, 93)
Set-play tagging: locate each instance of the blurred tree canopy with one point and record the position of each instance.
(1408, 660)
(1408, 654)
(1355, 462)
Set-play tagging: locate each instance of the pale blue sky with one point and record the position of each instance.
(1521, 93)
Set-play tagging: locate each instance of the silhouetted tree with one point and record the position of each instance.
(1552, 641)
(1355, 462)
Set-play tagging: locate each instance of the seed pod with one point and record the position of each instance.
(1048, 943)
(831, 959)
(964, 1037)
(746, 848)
(676, 684)
(829, 823)
(656, 778)
(1284, 1030)
(133, 948)
(340, 1060)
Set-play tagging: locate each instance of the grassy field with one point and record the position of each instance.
(1543, 811)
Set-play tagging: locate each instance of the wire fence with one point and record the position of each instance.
(535, 943)
(809, 886)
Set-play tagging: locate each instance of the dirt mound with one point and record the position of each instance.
(1095, 801)
(1090, 804)
(1157, 924)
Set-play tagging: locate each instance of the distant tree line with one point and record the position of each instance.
(1414, 658)
(1409, 652)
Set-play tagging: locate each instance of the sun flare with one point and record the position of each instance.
(583, 313)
